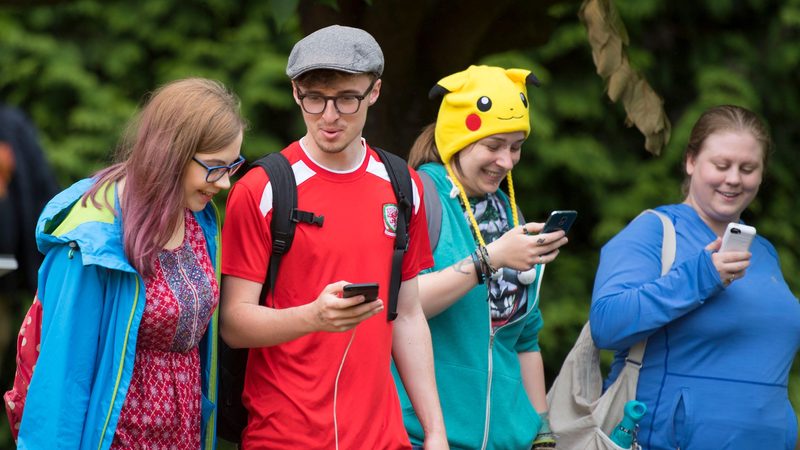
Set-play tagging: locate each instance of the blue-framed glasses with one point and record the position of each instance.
(214, 173)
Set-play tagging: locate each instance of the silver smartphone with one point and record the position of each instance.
(7, 264)
(737, 238)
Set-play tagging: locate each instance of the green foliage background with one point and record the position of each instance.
(80, 68)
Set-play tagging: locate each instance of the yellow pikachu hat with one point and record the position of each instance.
(479, 102)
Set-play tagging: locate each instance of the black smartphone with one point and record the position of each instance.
(368, 290)
(560, 220)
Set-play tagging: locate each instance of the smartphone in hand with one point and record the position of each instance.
(560, 220)
(368, 290)
(737, 238)
(7, 264)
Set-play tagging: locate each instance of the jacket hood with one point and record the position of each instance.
(97, 231)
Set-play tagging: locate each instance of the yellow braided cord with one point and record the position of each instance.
(514, 215)
(466, 205)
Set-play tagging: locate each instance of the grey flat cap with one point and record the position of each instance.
(336, 47)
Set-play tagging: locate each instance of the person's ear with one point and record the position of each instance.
(294, 93)
(375, 92)
(690, 165)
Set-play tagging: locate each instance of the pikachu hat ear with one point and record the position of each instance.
(478, 102)
(523, 76)
(436, 92)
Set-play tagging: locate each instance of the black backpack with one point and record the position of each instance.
(231, 414)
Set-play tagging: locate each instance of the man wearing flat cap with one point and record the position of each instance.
(318, 373)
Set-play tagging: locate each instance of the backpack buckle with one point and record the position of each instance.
(307, 217)
(279, 245)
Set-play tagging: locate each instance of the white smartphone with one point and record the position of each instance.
(737, 238)
(7, 264)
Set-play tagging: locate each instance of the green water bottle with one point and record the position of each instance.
(624, 434)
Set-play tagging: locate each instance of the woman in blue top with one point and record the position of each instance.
(128, 290)
(481, 297)
(722, 328)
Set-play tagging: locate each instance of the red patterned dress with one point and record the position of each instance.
(162, 407)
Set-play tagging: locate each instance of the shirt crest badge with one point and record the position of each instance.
(390, 213)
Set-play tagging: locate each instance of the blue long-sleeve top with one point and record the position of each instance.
(716, 366)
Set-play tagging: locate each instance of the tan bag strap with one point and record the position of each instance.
(668, 246)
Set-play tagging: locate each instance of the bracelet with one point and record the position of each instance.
(486, 261)
(478, 270)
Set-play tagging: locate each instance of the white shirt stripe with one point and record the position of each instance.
(378, 169)
(302, 173)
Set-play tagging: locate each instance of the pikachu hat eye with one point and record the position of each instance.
(524, 100)
(484, 103)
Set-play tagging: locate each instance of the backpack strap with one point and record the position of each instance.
(433, 208)
(285, 214)
(668, 243)
(668, 246)
(400, 178)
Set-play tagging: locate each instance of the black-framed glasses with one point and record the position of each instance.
(344, 104)
(214, 173)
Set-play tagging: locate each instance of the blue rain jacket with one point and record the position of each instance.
(93, 301)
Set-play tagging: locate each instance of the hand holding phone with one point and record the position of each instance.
(560, 220)
(368, 290)
(737, 238)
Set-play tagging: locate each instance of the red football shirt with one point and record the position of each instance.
(303, 393)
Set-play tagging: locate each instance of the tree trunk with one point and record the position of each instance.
(423, 41)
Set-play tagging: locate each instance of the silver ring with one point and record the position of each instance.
(525, 230)
(540, 259)
(730, 280)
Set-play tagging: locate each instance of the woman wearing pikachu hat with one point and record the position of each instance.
(481, 297)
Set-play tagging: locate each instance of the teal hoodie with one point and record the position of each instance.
(93, 300)
(478, 375)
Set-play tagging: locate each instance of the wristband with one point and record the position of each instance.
(478, 270)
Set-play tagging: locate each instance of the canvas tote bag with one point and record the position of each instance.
(581, 415)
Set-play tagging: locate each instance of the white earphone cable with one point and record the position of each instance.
(336, 388)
